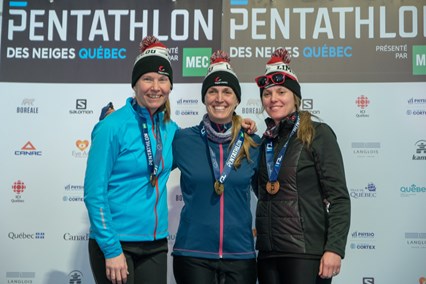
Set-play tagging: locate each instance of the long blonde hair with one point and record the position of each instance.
(248, 141)
(306, 131)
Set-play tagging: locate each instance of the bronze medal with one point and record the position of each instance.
(272, 187)
(219, 187)
(153, 180)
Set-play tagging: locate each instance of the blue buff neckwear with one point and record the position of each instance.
(221, 177)
(152, 164)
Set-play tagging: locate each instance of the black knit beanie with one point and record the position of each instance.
(279, 63)
(154, 57)
(220, 73)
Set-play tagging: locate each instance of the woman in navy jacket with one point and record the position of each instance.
(218, 162)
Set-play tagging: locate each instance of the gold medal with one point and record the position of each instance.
(153, 180)
(219, 187)
(272, 187)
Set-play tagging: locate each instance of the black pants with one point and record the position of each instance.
(191, 270)
(283, 270)
(146, 261)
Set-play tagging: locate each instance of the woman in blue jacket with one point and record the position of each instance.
(129, 163)
(218, 162)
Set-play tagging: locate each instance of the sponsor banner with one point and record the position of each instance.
(97, 41)
(344, 41)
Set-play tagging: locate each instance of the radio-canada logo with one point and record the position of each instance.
(362, 102)
(18, 187)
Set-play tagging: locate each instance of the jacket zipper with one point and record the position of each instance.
(156, 185)
(222, 204)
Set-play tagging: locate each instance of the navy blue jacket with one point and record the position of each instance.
(213, 226)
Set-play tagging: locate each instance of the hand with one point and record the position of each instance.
(106, 110)
(249, 125)
(329, 265)
(116, 269)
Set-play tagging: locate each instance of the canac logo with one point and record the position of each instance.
(28, 150)
(82, 144)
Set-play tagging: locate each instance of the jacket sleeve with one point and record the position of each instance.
(103, 152)
(330, 168)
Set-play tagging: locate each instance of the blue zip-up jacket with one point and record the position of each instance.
(121, 202)
(213, 226)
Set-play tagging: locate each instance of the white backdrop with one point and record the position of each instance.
(381, 128)
(44, 228)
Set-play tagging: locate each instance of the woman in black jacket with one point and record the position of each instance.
(303, 210)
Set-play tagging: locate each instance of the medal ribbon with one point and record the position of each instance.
(153, 163)
(229, 161)
(273, 169)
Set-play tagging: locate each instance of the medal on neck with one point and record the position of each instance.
(273, 185)
(219, 186)
(153, 163)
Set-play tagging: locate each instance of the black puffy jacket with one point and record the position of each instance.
(296, 221)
